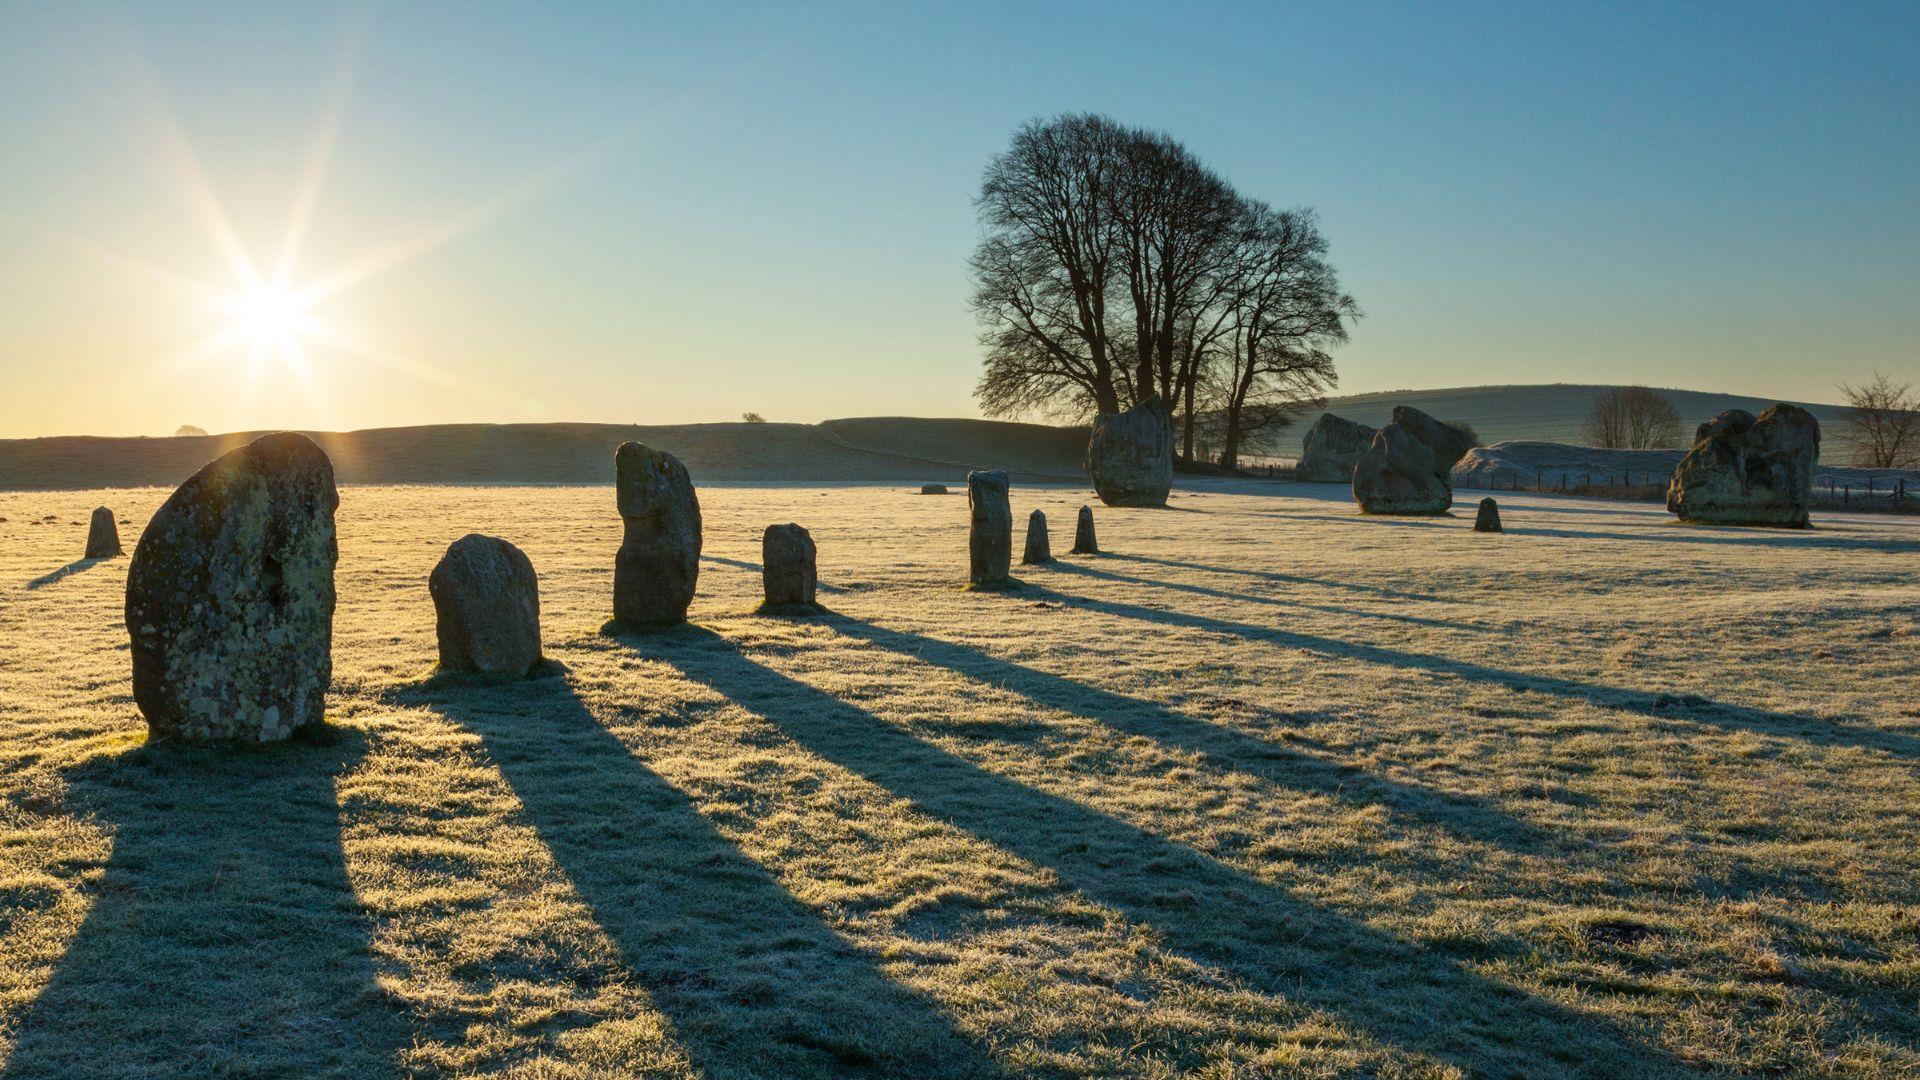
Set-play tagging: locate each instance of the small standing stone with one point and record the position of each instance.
(787, 567)
(1083, 541)
(1488, 519)
(1038, 551)
(659, 561)
(933, 489)
(103, 536)
(486, 605)
(990, 538)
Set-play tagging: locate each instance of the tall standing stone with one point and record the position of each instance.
(990, 537)
(787, 567)
(1332, 447)
(1130, 456)
(1408, 468)
(103, 535)
(1747, 470)
(1083, 540)
(1037, 551)
(486, 606)
(1488, 519)
(230, 597)
(659, 561)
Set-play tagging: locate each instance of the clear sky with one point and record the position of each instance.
(566, 212)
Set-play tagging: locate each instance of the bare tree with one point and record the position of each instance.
(188, 429)
(1882, 424)
(1633, 418)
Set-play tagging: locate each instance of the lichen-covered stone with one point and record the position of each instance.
(787, 567)
(1331, 449)
(933, 489)
(658, 566)
(990, 535)
(486, 606)
(1747, 470)
(1130, 456)
(1037, 551)
(1488, 519)
(1083, 539)
(1406, 469)
(103, 535)
(230, 597)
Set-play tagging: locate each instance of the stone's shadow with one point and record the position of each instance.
(751, 981)
(1275, 941)
(1674, 531)
(742, 564)
(1274, 601)
(1290, 579)
(1664, 706)
(76, 567)
(225, 937)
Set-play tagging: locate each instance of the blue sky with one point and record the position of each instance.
(656, 215)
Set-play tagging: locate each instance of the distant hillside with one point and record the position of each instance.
(876, 448)
(1553, 413)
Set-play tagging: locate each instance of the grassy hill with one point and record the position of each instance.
(874, 448)
(1551, 413)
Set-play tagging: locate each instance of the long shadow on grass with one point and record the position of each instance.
(78, 566)
(1271, 575)
(1224, 749)
(1685, 708)
(1671, 532)
(743, 564)
(1201, 590)
(225, 937)
(751, 980)
(1398, 991)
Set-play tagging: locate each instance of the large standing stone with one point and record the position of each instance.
(103, 535)
(659, 561)
(787, 567)
(1405, 470)
(1038, 551)
(1332, 448)
(1745, 470)
(1083, 541)
(1488, 519)
(230, 597)
(990, 538)
(1130, 456)
(486, 606)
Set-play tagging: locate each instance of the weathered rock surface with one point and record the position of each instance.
(230, 597)
(658, 565)
(1747, 470)
(1037, 551)
(486, 606)
(1331, 449)
(990, 536)
(787, 567)
(1405, 470)
(103, 535)
(1130, 456)
(1488, 519)
(1083, 539)
(933, 489)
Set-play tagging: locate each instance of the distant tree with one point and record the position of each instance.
(752, 418)
(1473, 437)
(1633, 418)
(188, 429)
(1882, 424)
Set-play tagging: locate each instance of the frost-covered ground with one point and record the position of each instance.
(1270, 788)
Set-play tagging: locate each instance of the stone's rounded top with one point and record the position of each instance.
(103, 535)
(1488, 519)
(475, 548)
(645, 476)
(788, 531)
(933, 489)
(1037, 516)
(988, 480)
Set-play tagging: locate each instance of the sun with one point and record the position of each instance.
(272, 320)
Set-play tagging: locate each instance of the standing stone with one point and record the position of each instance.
(1488, 519)
(659, 561)
(1332, 448)
(1745, 470)
(230, 597)
(1038, 551)
(787, 567)
(1083, 541)
(933, 489)
(1130, 456)
(486, 606)
(990, 538)
(1407, 469)
(103, 535)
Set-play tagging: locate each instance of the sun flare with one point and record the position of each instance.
(272, 320)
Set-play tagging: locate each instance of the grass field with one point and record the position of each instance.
(1268, 789)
